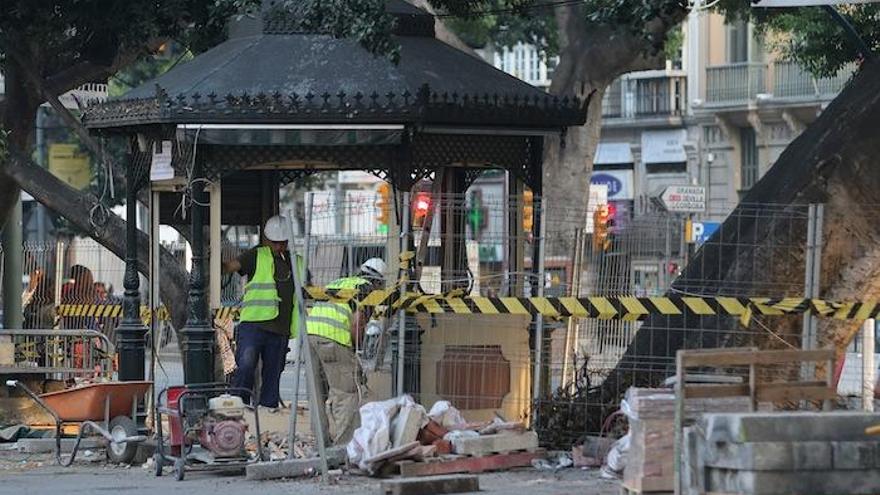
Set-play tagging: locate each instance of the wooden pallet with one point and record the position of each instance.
(468, 464)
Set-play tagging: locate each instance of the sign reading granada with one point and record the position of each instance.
(685, 199)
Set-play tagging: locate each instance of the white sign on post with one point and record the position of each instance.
(684, 199)
(598, 197)
(160, 168)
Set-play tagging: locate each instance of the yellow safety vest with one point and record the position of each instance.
(260, 301)
(334, 320)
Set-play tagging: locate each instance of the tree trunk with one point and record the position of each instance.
(74, 206)
(836, 161)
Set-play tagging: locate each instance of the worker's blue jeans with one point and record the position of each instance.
(256, 344)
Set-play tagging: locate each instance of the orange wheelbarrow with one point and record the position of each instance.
(114, 404)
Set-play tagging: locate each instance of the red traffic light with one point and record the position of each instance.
(422, 204)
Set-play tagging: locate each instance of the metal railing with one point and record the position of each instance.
(735, 83)
(791, 81)
(631, 97)
(740, 83)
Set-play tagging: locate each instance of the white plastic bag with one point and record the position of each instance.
(615, 461)
(447, 415)
(374, 435)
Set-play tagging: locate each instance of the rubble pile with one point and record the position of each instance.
(399, 429)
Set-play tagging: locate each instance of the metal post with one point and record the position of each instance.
(813, 267)
(197, 334)
(539, 288)
(869, 367)
(294, 405)
(131, 332)
(401, 330)
(305, 352)
(12, 269)
(155, 299)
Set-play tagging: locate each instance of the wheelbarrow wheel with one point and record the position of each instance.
(179, 468)
(119, 451)
(159, 461)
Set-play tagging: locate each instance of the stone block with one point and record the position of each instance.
(288, 468)
(456, 483)
(44, 445)
(787, 427)
(826, 482)
(499, 443)
(406, 425)
(855, 455)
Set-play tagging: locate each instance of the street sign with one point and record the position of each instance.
(684, 199)
(700, 232)
(69, 164)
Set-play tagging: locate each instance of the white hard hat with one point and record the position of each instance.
(277, 229)
(374, 268)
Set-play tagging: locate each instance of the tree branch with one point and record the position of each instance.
(75, 205)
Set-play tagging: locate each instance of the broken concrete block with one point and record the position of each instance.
(456, 483)
(492, 444)
(288, 468)
(44, 445)
(406, 425)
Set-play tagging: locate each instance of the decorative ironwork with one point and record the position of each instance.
(425, 107)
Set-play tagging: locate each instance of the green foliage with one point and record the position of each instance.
(816, 42)
(363, 20)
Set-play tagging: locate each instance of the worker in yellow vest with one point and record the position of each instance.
(335, 330)
(268, 314)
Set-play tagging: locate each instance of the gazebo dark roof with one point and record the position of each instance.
(290, 77)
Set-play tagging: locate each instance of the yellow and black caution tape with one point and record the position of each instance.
(627, 308)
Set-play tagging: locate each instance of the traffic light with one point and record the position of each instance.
(601, 219)
(383, 207)
(421, 206)
(528, 211)
(476, 214)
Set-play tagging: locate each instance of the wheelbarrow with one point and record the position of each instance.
(114, 404)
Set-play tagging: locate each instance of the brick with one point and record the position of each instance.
(499, 443)
(430, 485)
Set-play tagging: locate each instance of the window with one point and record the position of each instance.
(738, 42)
(748, 157)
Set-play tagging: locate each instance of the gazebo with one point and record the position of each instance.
(257, 112)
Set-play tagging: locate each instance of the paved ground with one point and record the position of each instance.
(35, 474)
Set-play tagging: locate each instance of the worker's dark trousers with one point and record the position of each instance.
(255, 344)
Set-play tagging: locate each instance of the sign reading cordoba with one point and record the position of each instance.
(685, 199)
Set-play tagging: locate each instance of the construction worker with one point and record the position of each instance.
(335, 329)
(267, 317)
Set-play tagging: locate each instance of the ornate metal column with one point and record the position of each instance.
(198, 335)
(131, 332)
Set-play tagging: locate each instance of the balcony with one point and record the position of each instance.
(645, 97)
(736, 83)
(741, 83)
(791, 81)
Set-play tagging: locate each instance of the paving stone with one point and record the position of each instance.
(43, 445)
(825, 482)
(456, 483)
(787, 427)
(490, 444)
(854, 455)
(288, 468)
